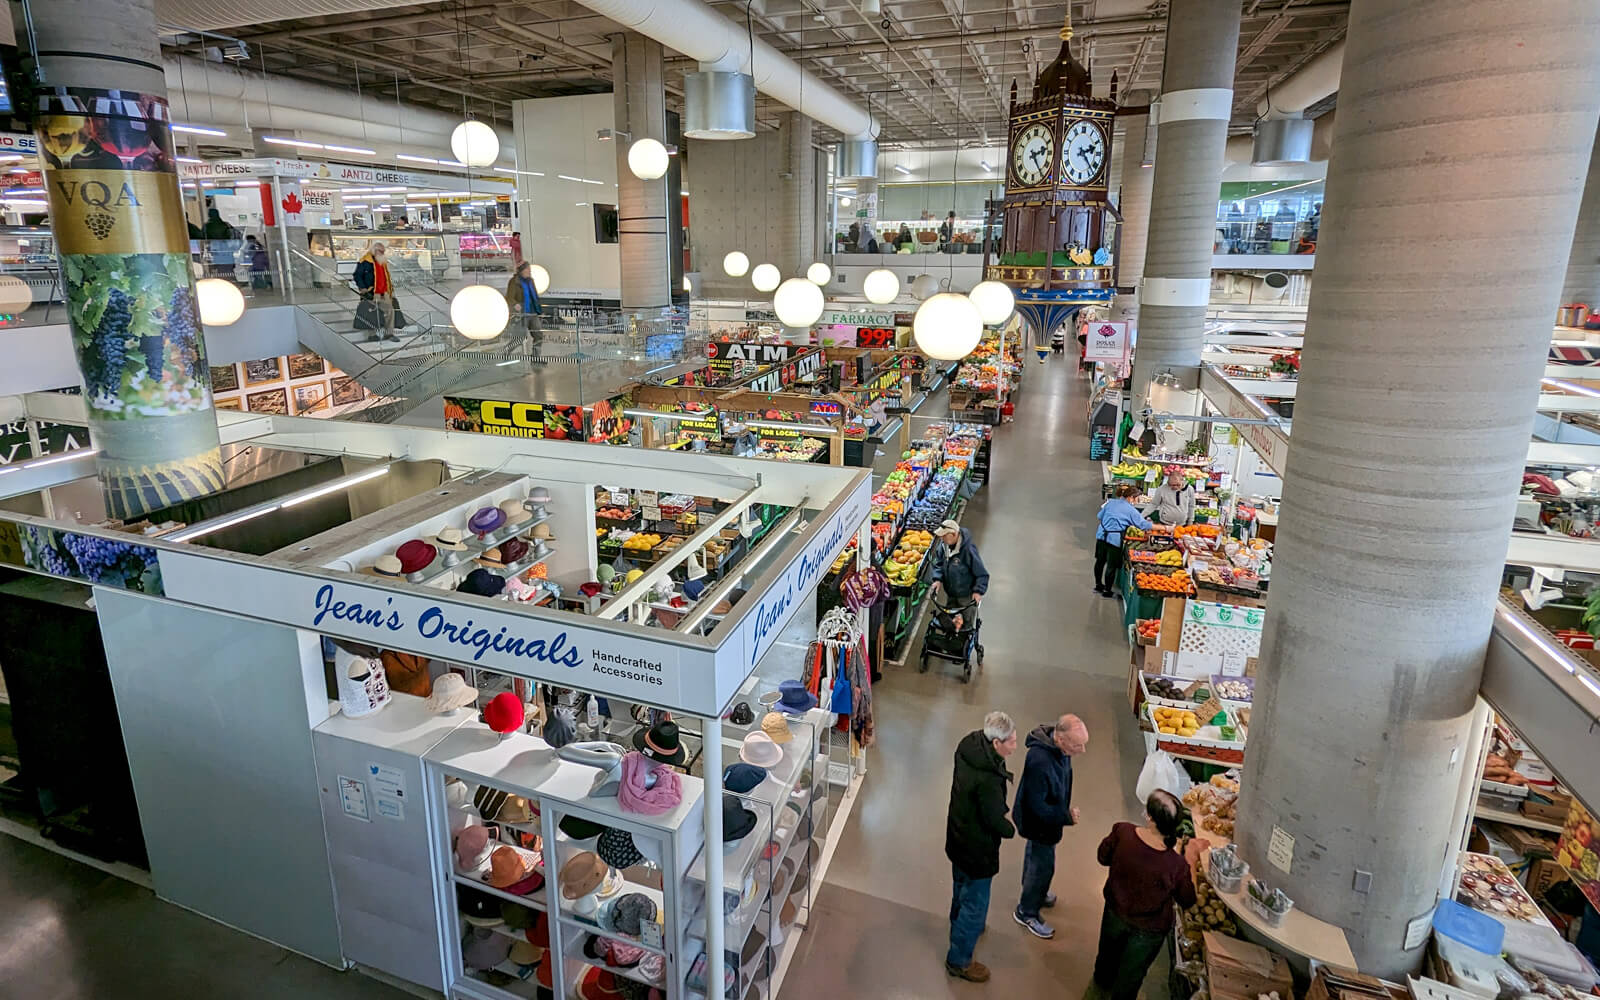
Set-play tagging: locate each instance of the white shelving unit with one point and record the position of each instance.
(525, 765)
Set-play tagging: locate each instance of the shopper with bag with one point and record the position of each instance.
(973, 830)
(1148, 875)
(1043, 808)
(523, 298)
(1116, 516)
(375, 285)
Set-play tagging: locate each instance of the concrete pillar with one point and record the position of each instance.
(117, 215)
(644, 242)
(1138, 181)
(1196, 103)
(797, 218)
(1421, 369)
(1583, 266)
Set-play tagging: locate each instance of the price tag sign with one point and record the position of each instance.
(652, 513)
(649, 498)
(650, 933)
(1232, 665)
(620, 498)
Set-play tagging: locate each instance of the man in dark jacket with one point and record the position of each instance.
(957, 567)
(972, 834)
(1044, 806)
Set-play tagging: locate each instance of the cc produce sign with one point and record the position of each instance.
(513, 418)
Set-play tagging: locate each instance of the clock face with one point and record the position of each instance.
(1084, 152)
(1032, 153)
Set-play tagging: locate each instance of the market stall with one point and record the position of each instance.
(478, 576)
(988, 377)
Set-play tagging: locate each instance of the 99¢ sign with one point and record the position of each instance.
(875, 336)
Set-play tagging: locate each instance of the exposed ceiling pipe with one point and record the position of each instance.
(1306, 86)
(565, 50)
(210, 15)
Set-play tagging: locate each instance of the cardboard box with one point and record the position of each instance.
(1527, 843)
(1554, 811)
(1542, 875)
(1332, 982)
(1238, 970)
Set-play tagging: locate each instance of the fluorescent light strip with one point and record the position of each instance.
(330, 147)
(1570, 387)
(337, 485)
(899, 169)
(660, 415)
(355, 204)
(986, 166)
(502, 364)
(197, 130)
(13, 158)
(277, 140)
(415, 159)
(189, 159)
(52, 460)
(795, 426)
(208, 527)
(567, 178)
(525, 173)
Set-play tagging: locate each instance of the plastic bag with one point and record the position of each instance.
(1162, 770)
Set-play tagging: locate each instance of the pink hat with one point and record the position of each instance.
(472, 848)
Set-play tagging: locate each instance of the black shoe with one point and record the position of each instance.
(1108, 593)
(1100, 590)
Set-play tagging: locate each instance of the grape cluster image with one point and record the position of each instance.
(106, 561)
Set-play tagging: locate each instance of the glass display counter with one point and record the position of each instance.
(413, 256)
(28, 253)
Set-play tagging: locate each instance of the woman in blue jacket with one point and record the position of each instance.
(523, 298)
(1116, 516)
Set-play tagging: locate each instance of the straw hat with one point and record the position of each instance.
(450, 692)
(777, 727)
(514, 511)
(386, 566)
(450, 538)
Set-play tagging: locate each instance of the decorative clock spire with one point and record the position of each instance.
(1066, 28)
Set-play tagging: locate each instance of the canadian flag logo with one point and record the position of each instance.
(292, 204)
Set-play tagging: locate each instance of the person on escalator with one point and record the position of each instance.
(958, 568)
(376, 286)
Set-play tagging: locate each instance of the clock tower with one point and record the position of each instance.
(1056, 247)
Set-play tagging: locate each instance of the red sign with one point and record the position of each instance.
(875, 336)
(30, 179)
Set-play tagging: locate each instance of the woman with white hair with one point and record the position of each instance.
(976, 824)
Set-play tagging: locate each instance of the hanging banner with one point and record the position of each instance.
(292, 203)
(1106, 342)
(18, 142)
(495, 417)
(704, 426)
(608, 423)
(775, 379)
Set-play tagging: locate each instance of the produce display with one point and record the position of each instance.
(1164, 687)
(1209, 913)
(1232, 689)
(1214, 805)
(614, 513)
(1132, 470)
(905, 562)
(1580, 839)
(791, 450)
(640, 541)
(1165, 583)
(1200, 530)
(1497, 768)
(1488, 885)
(1171, 557)
(1149, 629)
(1174, 721)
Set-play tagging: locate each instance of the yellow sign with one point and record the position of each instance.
(116, 211)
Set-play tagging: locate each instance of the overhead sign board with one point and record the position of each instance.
(1106, 342)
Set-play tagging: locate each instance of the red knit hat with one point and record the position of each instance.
(504, 713)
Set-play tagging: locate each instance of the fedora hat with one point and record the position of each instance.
(743, 777)
(482, 583)
(760, 750)
(450, 692)
(386, 566)
(661, 743)
(737, 821)
(514, 511)
(451, 538)
(582, 874)
(539, 495)
(416, 556)
(485, 520)
(541, 531)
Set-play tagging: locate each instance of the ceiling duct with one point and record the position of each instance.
(719, 105)
(1282, 140)
(856, 158)
(210, 15)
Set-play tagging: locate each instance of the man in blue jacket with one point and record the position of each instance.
(1043, 807)
(958, 568)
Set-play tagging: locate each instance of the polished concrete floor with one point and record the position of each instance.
(69, 931)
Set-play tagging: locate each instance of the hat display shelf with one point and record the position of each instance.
(584, 896)
(771, 866)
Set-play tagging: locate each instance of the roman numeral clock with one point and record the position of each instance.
(1057, 246)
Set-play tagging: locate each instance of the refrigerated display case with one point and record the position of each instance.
(482, 251)
(413, 256)
(28, 253)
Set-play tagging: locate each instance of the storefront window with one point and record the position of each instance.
(1269, 217)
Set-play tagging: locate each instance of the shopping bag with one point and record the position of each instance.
(1162, 771)
(366, 315)
(843, 702)
(400, 321)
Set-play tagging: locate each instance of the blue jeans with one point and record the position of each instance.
(1038, 869)
(969, 910)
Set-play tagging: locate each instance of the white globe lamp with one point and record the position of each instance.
(735, 264)
(765, 277)
(995, 301)
(688, 285)
(924, 286)
(475, 144)
(798, 302)
(479, 312)
(221, 303)
(647, 158)
(819, 273)
(541, 278)
(947, 327)
(881, 287)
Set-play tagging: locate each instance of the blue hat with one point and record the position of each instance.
(482, 583)
(743, 777)
(692, 589)
(794, 699)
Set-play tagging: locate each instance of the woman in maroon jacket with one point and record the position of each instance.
(1147, 877)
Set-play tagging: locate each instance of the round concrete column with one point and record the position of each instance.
(643, 231)
(1138, 181)
(1425, 344)
(1583, 266)
(118, 219)
(1196, 103)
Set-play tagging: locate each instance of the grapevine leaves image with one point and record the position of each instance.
(104, 561)
(137, 334)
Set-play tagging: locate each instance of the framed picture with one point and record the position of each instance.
(313, 396)
(347, 390)
(224, 378)
(306, 365)
(271, 401)
(231, 403)
(263, 370)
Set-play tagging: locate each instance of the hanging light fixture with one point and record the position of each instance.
(221, 303)
(947, 327)
(475, 143)
(924, 286)
(798, 302)
(881, 286)
(480, 312)
(819, 273)
(995, 301)
(688, 285)
(541, 278)
(736, 264)
(648, 159)
(765, 277)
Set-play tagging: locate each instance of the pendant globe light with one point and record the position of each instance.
(475, 144)
(798, 302)
(765, 277)
(995, 301)
(541, 278)
(819, 273)
(947, 327)
(736, 264)
(479, 312)
(881, 287)
(221, 304)
(924, 286)
(648, 159)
